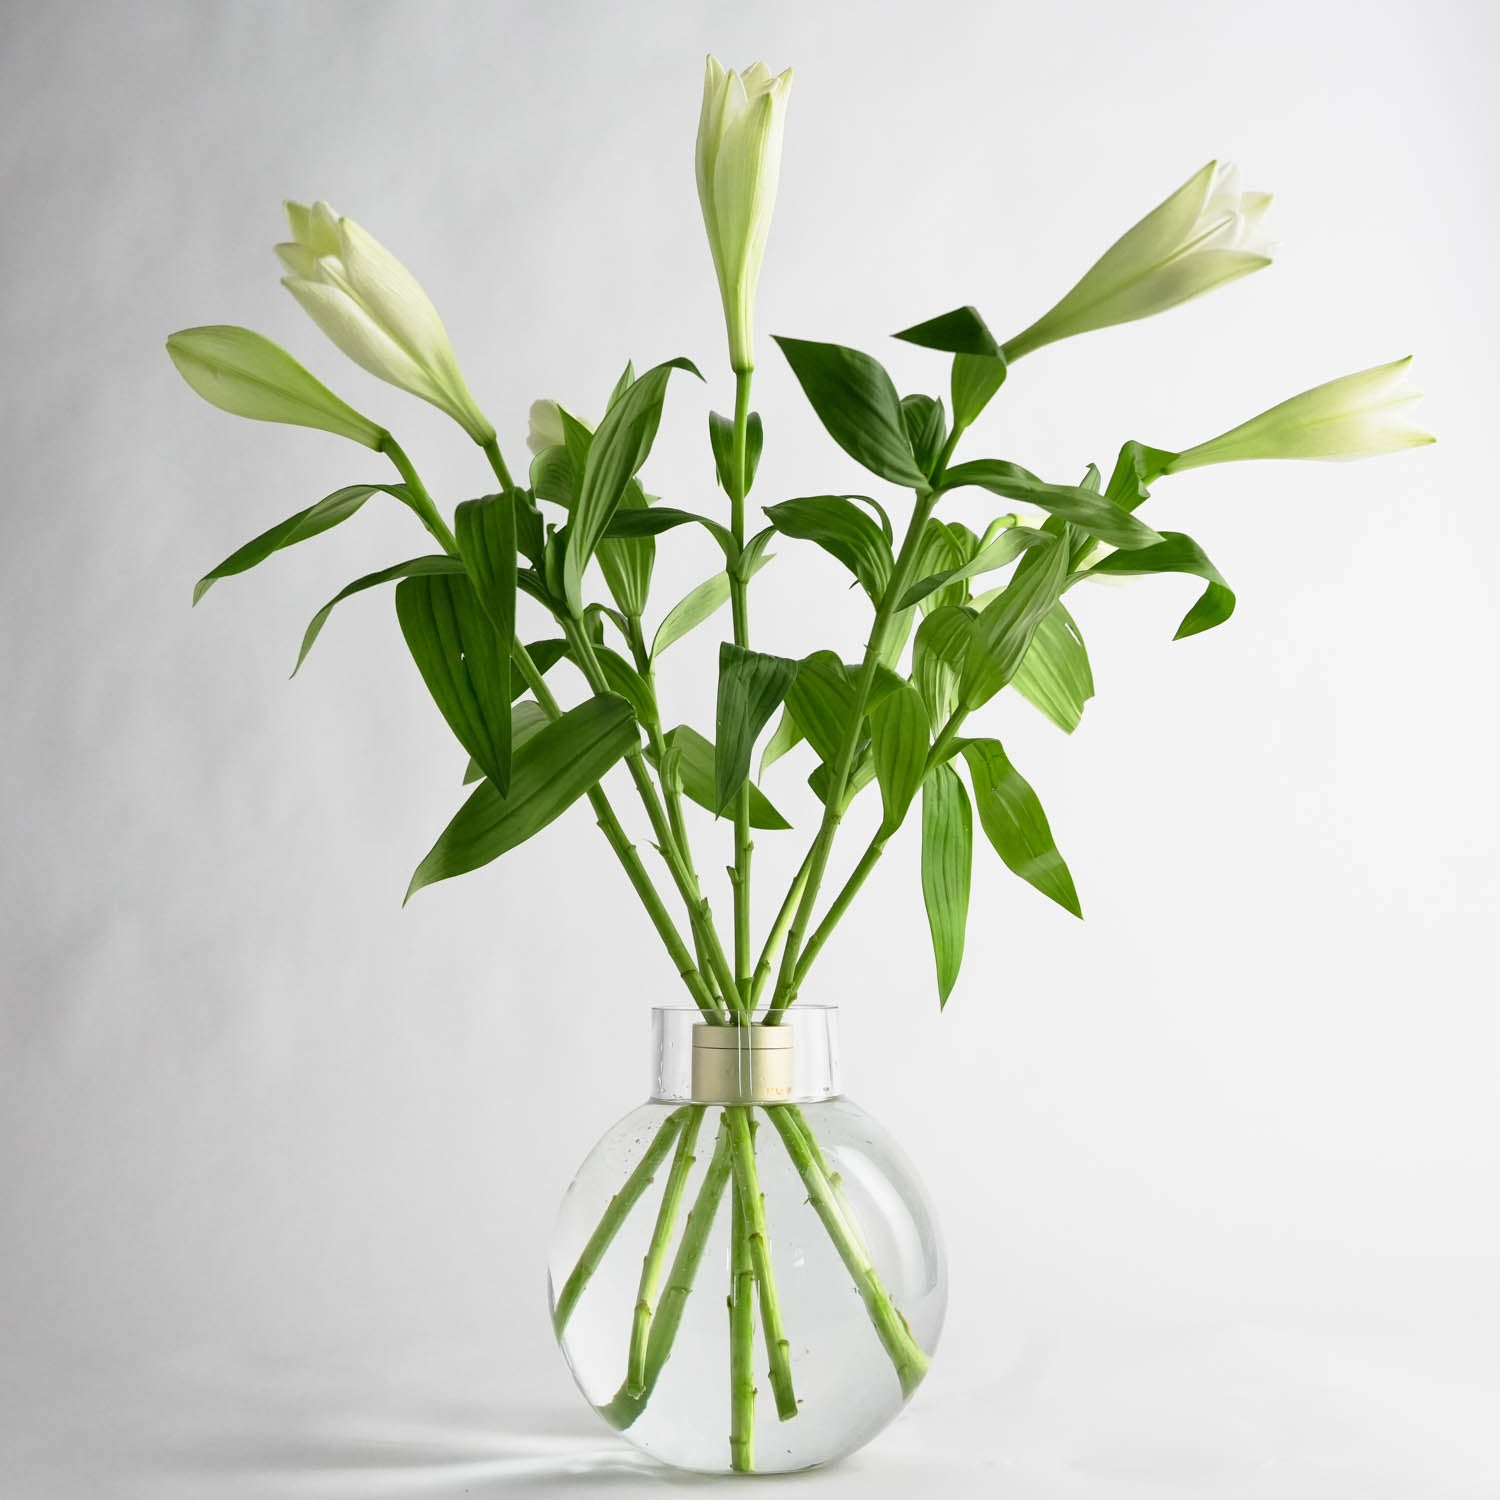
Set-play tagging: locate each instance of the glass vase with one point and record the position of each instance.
(746, 1274)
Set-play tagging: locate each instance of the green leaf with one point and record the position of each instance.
(617, 451)
(553, 477)
(947, 863)
(554, 768)
(926, 429)
(655, 519)
(327, 513)
(841, 529)
(527, 718)
(821, 699)
(899, 743)
(698, 604)
(1137, 467)
(694, 759)
(531, 530)
(937, 659)
(464, 663)
(721, 438)
(1177, 553)
(856, 402)
(486, 534)
(1006, 546)
(1003, 631)
(976, 378)
(961, 331)
(1054, 674)
(417, 567)
(1085, 508)
(628, 683)
(1015, 824)
(786, 736)
(752, 686)
(627, 564)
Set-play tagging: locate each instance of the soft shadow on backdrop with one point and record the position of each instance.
(1217, 1166)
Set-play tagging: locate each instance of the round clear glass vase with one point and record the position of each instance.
(746, 1274)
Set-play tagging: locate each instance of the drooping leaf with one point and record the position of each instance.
(961, 331)
(693, 757)
(1054, 674)
(1085, 508)
(464, 663)
(1177, 553)
(937, 661)
(1002, 633)
(926, 429)
(652, 520)
(486, 534)
(841, 529)
(313, 521)
(615, 455)
(1013, 821)
(414, 568)
(947, 863)
(857, 404)
(721, 438)
(550, 771)
(975, 379)
(752, 686)
(699, 603)
(1136, 468)
(899, 744)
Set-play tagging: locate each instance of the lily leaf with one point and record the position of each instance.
(654, 519)
(721, 437)
(947, 864)
(1002, 633)
(899, 743)
(1011, 542)
(1177, 553)
(693, 758)
(486, 534)
(975, 379)
(752, 686)
(1085, 508)
(961, 331)
(698, 604)
(841, 529)
(1054, 674)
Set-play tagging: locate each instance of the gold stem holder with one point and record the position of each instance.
(794, 1061)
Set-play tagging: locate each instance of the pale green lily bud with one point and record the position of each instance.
(373, 308)
(244, 373)
(1355, 416)
(1205, 235)
(739, 161)
(544, 428)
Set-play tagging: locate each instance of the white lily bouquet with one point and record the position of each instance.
(824, 1242)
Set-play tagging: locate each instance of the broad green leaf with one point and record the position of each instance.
(313, 521)
(1054, 674)
(1085, 508)
(415, 568)
(627, 564)
(976, 378)
(654, 519)
(623, 384)
(961, 331)
(527, 718)
(615, 455)
(1177, 553)
(553, 478)
(694, 759)
(555, 767)
(821, 699)
(486, 533)
(841, 529)
(856, 402)
(1015, 824)
(464, 663)
(628, 683)
(752, 686)
(1002, 633)
(531, 530)
(698, 604)
(947, 863)
(786, 736)
(926, 429)
(937, 660)
(721, 438)
(899, 744)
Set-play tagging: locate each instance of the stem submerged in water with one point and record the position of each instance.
(741, 1341)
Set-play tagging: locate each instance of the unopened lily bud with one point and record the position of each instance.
(1206, 234)
(1354, 416)
(373, 308)
(739, 161)
(244, 373)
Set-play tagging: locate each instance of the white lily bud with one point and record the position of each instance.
(544, 427)
(739, 161)
(1206, 234)
(244, 373)
(373, 308)
(1355, 416)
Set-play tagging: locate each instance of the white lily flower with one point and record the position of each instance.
(1205, 235)
(373, 308)
(242, 372)
(739, 161)
(1355, 416)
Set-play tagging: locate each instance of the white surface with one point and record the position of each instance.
(277, 1158)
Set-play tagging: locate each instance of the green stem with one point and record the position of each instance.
(614, 1216)
(747, 1183)
(624, 1408)
(656, 1254)
(492, 452)
(777, 933)
(904, 1351)
(741, 1341)
(422, 502)
(740, 613)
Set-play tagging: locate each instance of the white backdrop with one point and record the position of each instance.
(1217, 1166)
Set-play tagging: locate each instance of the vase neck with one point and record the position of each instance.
(696, 1059)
